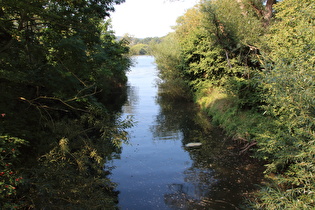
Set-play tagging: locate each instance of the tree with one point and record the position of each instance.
(289, 76)
(59, 66)
(269, 11)
(252, 64)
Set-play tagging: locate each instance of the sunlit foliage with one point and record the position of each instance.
(250, 65)
(167, 57)
(289, 77)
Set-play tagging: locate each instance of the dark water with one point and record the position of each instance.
(156, 171)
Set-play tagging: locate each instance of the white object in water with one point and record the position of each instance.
(194, 144)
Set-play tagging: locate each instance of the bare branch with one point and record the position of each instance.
(247, 147)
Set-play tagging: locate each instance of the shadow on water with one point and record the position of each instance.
(219, 178)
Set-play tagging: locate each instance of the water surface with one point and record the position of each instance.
(156, 171)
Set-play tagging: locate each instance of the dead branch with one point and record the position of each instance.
(84, 96)
(60, 100)
(32, 102)
(247, 147)
(73, 74)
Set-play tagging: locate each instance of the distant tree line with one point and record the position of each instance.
(139, 46)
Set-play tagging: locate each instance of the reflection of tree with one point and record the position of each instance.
(211, 186)
(176, 117)
(132, 100)
(218, 177)
(223, 176)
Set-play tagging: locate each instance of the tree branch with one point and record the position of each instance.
(247, 147)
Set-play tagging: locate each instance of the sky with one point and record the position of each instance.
(148, 18)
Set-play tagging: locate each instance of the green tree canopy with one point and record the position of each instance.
(60, 70)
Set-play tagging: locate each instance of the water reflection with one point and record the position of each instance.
(156, 170)
(132, 100)
(218, 177)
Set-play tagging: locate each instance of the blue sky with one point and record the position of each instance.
(148, 18)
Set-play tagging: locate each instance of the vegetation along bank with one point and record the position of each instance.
(60, 68)
(250, 65)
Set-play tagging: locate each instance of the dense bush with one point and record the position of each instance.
(289, 77)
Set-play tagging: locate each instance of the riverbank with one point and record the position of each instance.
(58, 121)
(255, 76)
(241, 125)
(285, 176)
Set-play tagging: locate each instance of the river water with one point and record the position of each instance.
(156, 171)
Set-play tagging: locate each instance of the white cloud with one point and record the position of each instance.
(148, 18)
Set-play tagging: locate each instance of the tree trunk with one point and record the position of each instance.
(268, 11)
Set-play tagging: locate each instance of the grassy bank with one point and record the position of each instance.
(240, 124)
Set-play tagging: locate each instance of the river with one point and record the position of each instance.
(156, 171)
